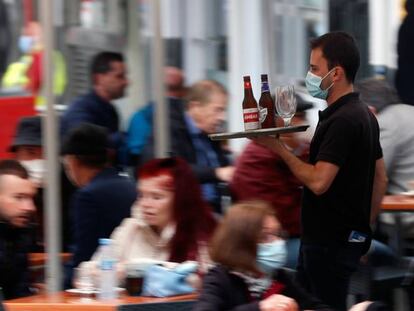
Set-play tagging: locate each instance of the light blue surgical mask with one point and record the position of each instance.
(313, 85)
(25, 44)
(271, 256)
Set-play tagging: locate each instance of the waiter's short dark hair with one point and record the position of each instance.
(339, 49)
(101, 62)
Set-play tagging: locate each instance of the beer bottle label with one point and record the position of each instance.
(251, 119)
(265, 87)
(263, 114)
(247, 85)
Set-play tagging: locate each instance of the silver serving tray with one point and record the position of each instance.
(260, 132)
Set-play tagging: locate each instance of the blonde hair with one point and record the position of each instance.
(201, 91)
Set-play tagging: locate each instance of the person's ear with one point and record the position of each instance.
(338, 74)
(335, 74)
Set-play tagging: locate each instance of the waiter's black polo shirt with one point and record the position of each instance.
(347, 135)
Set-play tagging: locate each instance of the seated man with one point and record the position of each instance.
(104, 197)
(206, 103)
(397, 143)
(16, 210)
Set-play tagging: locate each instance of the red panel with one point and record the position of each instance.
(11, 110)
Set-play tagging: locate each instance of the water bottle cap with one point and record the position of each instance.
(105, 241)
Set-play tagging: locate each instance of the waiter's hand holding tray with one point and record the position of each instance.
(259, 132)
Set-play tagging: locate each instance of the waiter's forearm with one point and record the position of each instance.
(318, 178)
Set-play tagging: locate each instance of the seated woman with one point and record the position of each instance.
(170, 220)
(249, 253)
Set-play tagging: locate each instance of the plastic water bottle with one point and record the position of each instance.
(107, 272)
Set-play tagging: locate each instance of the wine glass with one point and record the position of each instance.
(83, 281)
(285, 103)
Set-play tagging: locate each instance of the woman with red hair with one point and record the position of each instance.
(170, 220)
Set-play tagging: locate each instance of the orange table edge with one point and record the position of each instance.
(63, 301)
(397, 203)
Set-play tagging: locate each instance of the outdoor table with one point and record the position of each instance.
(63, 301)
(39, 259)
(398, 204)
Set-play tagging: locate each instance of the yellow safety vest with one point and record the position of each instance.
(59, 79)
(16, 75)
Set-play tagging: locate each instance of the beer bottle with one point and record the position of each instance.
(267, 110)
(250, 109)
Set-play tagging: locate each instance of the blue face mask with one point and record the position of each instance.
(25, 44)
(313, 85)
(271, 256)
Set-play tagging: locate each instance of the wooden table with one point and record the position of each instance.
(64, 301)
(398, 204)
(40, 259)
(37, 265)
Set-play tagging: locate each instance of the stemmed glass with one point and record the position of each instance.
(285, 103)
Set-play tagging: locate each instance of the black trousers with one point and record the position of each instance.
(324, 270)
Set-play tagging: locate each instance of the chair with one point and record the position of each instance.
(159, 306)
(372, 283)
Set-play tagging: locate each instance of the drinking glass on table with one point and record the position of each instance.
(83, 280)
(285, 103)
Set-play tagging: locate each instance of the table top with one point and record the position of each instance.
(397, 203)
(63, 301)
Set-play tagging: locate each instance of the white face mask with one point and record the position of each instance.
(271, 256)
(36, 169)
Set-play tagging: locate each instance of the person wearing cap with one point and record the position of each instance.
(262, 174)
(104, 197)
(27, 147)
(28, 150)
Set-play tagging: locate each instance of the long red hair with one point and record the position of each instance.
(192, 215)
